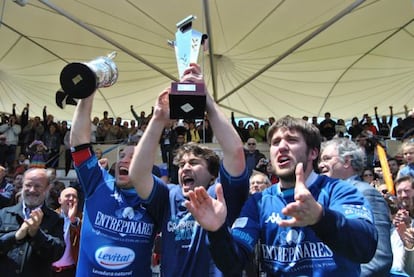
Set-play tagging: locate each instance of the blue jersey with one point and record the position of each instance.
(332, 247)
(117, 231)
(184, 243)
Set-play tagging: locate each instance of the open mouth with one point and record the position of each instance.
(187, 182)
(283, 160)
(123, 170)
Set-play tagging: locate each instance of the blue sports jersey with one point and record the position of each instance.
(117, 231)
(332, 247)
(184, 243)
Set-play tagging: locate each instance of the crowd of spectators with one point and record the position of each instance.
(40, 140)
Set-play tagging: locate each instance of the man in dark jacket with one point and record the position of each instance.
(343, 159)
(255, 160)
(31, 234)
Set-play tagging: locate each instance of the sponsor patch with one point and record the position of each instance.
(241, 222)
(112, 257)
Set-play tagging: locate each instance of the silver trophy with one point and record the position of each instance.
(79, 80)
(187, 100)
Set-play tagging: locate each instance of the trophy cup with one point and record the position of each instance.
(79, 80)
(187, 100)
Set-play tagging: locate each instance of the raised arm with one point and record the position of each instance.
(140, 172)
(226, 135)
(81, 122)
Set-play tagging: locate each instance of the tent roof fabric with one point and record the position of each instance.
(265, 58)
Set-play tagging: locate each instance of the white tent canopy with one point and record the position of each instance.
(266, 58)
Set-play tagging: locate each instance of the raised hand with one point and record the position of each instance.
(73, 210)
(162, 106)
(209, 212)
(305, 210)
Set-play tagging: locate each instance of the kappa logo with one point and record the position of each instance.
(274, 218)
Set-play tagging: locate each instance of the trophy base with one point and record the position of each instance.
(78, 80)
(187, 100)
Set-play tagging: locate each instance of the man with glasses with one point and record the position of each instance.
(255, 160)
(343, 159)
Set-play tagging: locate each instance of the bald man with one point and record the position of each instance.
(68, 209)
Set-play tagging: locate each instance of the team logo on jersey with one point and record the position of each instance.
(274, 218)
(112, 257)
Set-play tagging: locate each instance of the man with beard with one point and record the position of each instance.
(117, 231)
(31, 234)
(307, 224)
(184, 245)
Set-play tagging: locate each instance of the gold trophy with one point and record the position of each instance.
(187, 100)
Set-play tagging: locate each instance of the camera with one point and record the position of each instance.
(265, 161)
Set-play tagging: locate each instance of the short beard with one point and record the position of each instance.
(288, 181)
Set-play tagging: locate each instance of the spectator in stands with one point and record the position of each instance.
(402, 232)
(394, 167)
(31, 234)
(342, 158)
(68, 154)
(340, 128)
(11, 130)
(166, 142)
(408, 121)
(355, 129)
(94, 129)
(255, 160)
(48, 120)
(23, 161)
(303, 211)
(179, 140)
(32, 131)
(399, 130)
(6, 189)
(366, 141)
(240, 128)
(327, 127)
(407, 150)
(368, 126)
(271, 174)
(258, 132)
(37, 151)
(369, 176)
(205, 131)
(18, 183)
(4, 150)
(258, 181)
(55, 188)
(141, 119)
(315, 121)
(384, 127)
(51, 138)
(68, 209)
(193, 134)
